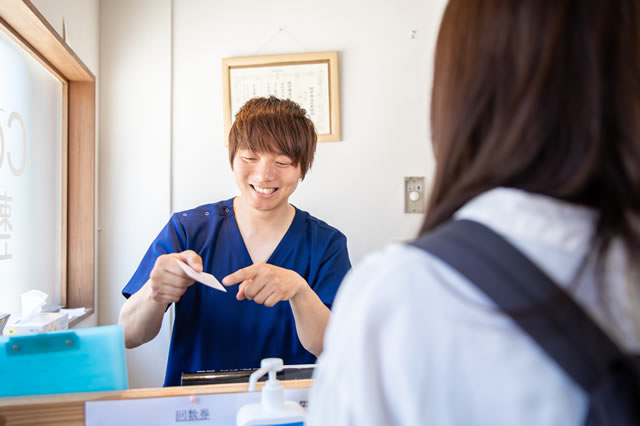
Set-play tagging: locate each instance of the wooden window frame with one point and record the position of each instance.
(23, 22)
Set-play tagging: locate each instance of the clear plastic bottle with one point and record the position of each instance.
(273, 409)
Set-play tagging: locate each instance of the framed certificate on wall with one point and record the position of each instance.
(309, 79)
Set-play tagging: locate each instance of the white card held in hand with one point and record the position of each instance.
(201, 277)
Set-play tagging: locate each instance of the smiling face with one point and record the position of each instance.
(265, 179)
(271, 147)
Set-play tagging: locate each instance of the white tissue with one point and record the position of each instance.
(32, 303)
(73, 313)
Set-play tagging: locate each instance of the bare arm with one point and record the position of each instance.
(312, 317)
(141, 315)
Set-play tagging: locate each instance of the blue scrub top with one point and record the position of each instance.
(213, 330)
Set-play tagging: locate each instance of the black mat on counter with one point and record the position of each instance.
(242, 376)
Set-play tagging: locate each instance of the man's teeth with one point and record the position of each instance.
(264, 190)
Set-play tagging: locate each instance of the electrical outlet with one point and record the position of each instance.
(414, 201)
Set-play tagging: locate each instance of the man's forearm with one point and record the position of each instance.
(141, 317)
(311, 316)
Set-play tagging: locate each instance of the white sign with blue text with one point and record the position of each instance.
(195, 410)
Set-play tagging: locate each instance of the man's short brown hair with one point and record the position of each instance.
(274, 125)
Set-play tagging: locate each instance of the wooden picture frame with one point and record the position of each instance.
(21, 20)
(310, 79)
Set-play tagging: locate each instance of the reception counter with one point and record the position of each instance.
(70, 409)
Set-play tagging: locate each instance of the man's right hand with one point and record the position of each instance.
(168, 280)
(141, 315)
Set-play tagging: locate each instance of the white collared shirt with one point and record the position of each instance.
(412, 342)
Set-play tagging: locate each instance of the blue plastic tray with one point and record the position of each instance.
(82, 360)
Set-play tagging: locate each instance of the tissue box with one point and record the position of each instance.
(44, 322)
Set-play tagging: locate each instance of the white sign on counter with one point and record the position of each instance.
(213, 409)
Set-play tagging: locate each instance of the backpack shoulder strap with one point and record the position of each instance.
(541, 308)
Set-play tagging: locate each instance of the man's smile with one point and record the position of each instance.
(264, 190)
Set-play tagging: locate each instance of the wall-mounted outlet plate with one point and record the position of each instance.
(414, 200)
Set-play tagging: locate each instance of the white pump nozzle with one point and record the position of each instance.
(270, 365)
(272, 409)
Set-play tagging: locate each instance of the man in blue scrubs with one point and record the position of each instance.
(281, 266)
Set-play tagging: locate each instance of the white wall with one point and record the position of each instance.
(162, 149)
(82, 35)
(82, 26)
(355, 185)
(135, 150)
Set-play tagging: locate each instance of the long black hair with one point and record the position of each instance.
(541, 95)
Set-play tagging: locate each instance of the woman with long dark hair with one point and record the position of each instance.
(535, 116)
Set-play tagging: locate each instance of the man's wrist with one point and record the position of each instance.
(303, 288)
(149, 296)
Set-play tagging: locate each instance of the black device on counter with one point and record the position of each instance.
(290, 372)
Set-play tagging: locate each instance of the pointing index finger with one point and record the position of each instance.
(239, 276)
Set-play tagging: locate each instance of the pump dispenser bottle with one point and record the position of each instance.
(273, 409)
